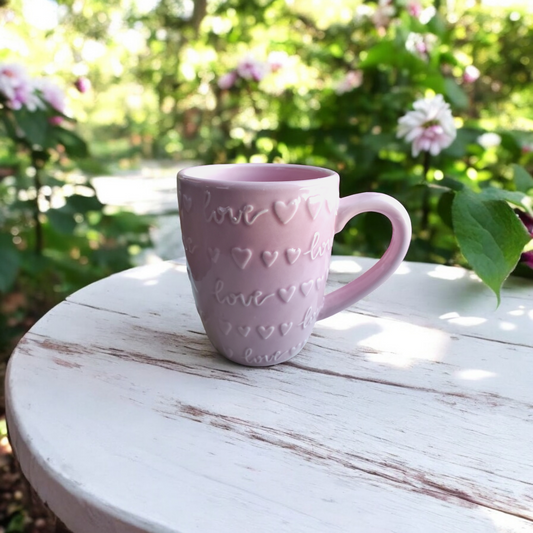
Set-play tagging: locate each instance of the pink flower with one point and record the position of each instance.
(228, 80)
(277, 60)
(55, 121)
(414, 8)
(250, 68)
(420, 45)
(383, 14)
(51, 93)
(352, 80)
(83, 84)
(16, 86)
(471, 74)
(429, 127)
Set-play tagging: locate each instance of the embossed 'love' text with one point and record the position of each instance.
(231, 298)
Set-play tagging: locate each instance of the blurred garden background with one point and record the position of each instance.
(101, 101)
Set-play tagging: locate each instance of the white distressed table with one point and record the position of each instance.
(411, 412)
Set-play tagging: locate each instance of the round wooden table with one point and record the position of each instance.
(410, 412)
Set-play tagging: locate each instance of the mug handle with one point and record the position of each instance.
(349, 207)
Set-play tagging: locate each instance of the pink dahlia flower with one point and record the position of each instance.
(429, 127)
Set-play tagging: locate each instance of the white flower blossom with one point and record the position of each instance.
(17, 87)
(51, 93)
(250, 68)
(420, 45)
(277, 60)
(430, 127)
(471, 74)
(489, 140)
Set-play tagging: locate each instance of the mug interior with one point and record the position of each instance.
(256, 172)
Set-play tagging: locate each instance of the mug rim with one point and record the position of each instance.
(327, 173)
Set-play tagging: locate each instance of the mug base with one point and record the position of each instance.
(261, 360)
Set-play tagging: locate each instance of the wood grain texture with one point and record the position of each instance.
(410, 412)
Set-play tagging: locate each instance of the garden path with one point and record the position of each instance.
(149, 190)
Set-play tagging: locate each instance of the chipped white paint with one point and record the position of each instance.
(397, 417)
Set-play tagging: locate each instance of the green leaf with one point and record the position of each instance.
(522, 178)
(9, 264)
(513, 197)
(74, 145)
(16, 523)
(451, 183)
(456, 95)
(381, 53)
(444, 208)
(61, 220)
(490, 236)
(81, 204)
(34, 124)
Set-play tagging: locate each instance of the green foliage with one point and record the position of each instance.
(163, 65)
(490, 236)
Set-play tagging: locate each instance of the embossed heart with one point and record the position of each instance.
(292, 255)
(269, 258)
(228, 351)
(331, 204)
(285, 328)
(214, 254)
(243, 330)
(225, 327)
(306, 286)
(265, 332)
(286, 211)
(314, 204)
(295, 349)
(187, 202)
(287, 294)
(241, 256)
(190, 246)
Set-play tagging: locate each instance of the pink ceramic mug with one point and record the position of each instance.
(258, 241)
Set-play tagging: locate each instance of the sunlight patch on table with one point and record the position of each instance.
(344, 266)
(445, 272)
(475, 374)
(341, 321)
(146, 274)
(402, 270)
(505, 522)
(507, 326)
(401, 344)
(458, 320)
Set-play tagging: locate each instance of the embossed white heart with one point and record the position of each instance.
(243, 330)
(285, 328)
(306, 286)
(225, 326)
(314, 204)
(265, 332)
(286, 211)
(214, 254)
(287, 294)
(241, 256)
(269, 258)
(187, 202)
(292, 255)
